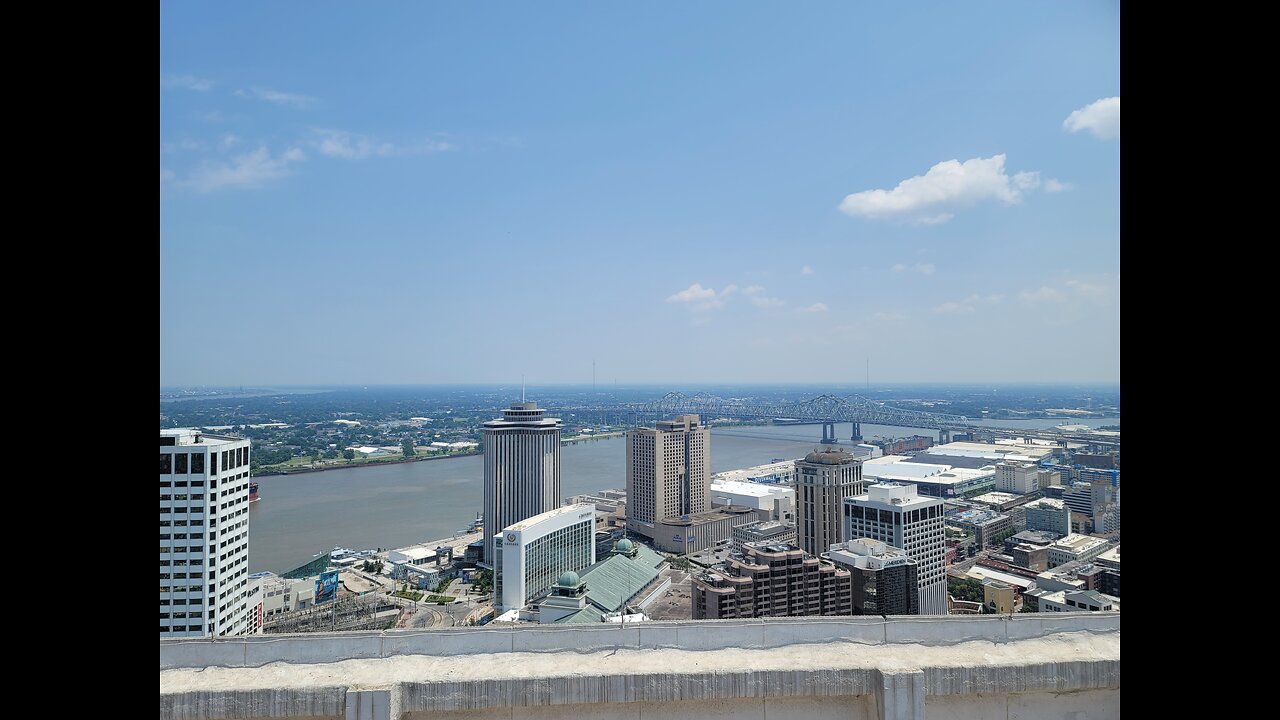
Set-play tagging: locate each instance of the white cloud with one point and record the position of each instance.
(890, 316)
(693, 293)
(898, 268)
(697, 297)
(806, 270)
(229, 141)
(1056, 186)
(759, 300)
(186, 82)
(1073, 291)
(925, 268)
(186, 144)
(1085, 288)
(949, 184)
(768, 302)
(1042, 294)
(353, 146)
(249, 170)
(1100, 117)
(166, 175)
(337, 143)
(968, 304)
(282, 98)
(815, 308)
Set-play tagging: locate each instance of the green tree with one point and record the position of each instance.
(315, 456)
(349, 454)
(967, 589)
(406, 445)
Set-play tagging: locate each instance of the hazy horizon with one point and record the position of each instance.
(672, 384)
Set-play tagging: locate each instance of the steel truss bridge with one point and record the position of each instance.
(825, 409)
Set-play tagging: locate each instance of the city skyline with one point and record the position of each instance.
(374, 198)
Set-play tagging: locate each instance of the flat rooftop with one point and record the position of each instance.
(995, 498)
(749, 488)
(900, 466)
(977, 516)
(720, 513)
(1076, 541)
(186, 437)
(558, 512)
(1005, 450)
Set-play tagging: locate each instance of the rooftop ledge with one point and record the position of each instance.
(1034, 665)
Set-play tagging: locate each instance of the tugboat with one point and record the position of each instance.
(253, 492)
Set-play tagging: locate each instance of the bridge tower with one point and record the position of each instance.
(828, 432)
(856, 435)
(944, 436)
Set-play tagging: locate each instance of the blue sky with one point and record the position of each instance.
(683, 192)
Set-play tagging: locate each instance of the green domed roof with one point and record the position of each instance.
(569, 579)
(623, 545)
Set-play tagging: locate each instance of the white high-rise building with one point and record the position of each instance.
(532, 554)
(204, 535)
(1017, 477)
(824, 478)
(521, 469)
(668, 472)
(898, 515)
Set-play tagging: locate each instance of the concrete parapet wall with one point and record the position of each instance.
(908, 668)
(285, 703)
(258, 650)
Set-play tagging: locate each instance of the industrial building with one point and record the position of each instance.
(771, 501)
(934, 479)
(782, 472)
(976, 455)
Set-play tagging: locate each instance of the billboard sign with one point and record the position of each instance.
(326, 586)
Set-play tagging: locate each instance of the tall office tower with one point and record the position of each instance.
(204, 535)
(824, 478)
(668, 472)
(883, 577)
(895, 514)
(521, 469)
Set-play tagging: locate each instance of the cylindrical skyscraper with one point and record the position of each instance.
(521, 469)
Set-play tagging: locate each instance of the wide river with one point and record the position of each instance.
(392, 506)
